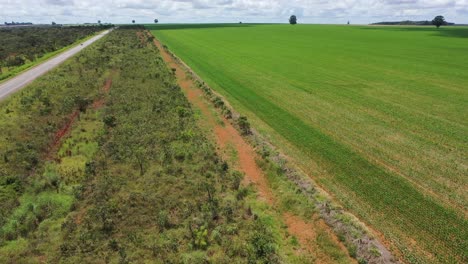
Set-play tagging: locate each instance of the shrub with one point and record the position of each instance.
(218, 102)
(236, 179)
(163, 220)
(244, 125)
(110, 121)
(263, 243)
(200, 238)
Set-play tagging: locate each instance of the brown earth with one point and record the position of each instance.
(64, 130)
(99, 103)
(80, 215)
(226, 135)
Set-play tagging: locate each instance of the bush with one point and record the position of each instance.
(244, 125)
(110, 121)
(218, 102)
(200, 238)
(263, 243)
(236, 179)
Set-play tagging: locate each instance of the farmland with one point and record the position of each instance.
(375, 115)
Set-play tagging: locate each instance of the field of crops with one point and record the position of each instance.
(376, 115)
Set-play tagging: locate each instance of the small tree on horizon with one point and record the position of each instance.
(156, 21)
(99, 21)
(133, 21)
(293, 20)
(439, 21)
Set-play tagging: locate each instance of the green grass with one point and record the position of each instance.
(376, 114)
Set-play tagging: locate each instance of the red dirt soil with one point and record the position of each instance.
(80, 216)
(65, 129)
(62, 132)
(226, 135)
(106, 88)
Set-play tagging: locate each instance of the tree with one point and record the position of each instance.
(133, 21)
(53, 23)
(156, 21)
(99, 21)
(439, 21)
(293, 20)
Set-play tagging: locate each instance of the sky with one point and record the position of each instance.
(214, 11)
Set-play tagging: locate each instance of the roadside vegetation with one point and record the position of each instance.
(39, 177)
(20, 47)
(364, 127)
(103, 161)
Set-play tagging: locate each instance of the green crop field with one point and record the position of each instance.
(376, 115)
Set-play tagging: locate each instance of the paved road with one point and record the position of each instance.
(23, 79)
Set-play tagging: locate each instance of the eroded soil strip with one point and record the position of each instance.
(226, 135)
(67, 127)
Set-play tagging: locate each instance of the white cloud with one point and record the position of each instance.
(178, 11)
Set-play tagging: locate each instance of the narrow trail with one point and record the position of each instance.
(65, 129)
(106, 88)
(227, 136)
(59, 135)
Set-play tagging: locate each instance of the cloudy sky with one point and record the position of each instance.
(206, 11)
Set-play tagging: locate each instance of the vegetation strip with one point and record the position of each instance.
(49, 135)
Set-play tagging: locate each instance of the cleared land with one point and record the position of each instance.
(377, 115)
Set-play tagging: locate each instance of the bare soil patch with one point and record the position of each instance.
(106, 88)
(65, 129)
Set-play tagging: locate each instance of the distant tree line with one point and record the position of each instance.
(17, 23)
(437, 21)
(19, 45)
